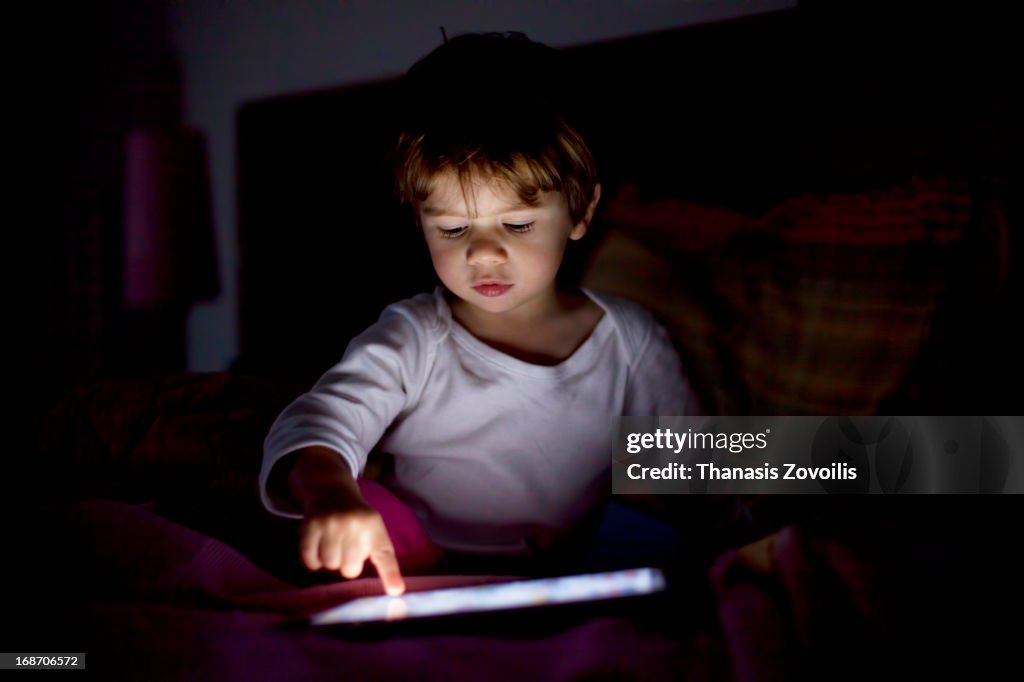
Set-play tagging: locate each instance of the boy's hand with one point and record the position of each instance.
(340, 538)
(340, 530)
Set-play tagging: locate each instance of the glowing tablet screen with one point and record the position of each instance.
(509, 595)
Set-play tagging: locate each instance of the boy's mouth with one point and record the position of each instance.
(491, 289)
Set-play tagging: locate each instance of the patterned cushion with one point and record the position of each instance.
(817, 306)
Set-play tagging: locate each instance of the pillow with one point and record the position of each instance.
(819, 305)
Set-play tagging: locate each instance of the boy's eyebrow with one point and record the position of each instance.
(430, 210)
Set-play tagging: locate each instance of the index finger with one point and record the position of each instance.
(384, 560)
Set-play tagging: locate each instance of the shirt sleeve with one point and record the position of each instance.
(351, 406)
(657, 385)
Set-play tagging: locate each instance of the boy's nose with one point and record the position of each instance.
(486, 252)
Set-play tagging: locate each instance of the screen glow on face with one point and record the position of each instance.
(510, 595)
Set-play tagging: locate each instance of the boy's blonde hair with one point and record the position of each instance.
(489, 107)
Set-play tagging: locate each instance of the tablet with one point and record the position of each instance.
(506, 596)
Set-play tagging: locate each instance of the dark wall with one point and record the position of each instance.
(833, 94)
(83, 75)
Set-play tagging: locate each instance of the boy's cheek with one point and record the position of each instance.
(443, 265)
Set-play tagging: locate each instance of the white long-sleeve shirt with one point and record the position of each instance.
(488, 450)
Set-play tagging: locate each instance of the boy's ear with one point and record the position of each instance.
(580, 228)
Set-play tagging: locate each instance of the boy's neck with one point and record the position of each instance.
(545, 333)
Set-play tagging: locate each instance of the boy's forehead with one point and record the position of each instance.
(485, 195)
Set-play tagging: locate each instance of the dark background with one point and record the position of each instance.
(829, 96)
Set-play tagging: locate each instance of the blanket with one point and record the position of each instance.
(147, 598)
(144, 597)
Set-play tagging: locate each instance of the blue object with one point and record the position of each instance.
(628, 538)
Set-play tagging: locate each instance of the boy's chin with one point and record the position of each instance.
(487, 304)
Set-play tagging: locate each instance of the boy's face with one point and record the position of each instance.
(504, 255)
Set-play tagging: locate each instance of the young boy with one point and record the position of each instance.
(494, 396)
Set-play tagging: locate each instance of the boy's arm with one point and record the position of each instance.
(313, 475)
(340, 529)
(352, 405)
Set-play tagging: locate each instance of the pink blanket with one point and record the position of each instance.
(146, 598)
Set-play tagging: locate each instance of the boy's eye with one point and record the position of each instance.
(519, 228)
(451, 232)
